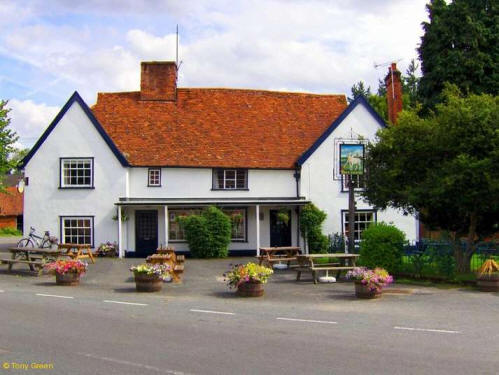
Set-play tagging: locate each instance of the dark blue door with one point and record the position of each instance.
(280, 231)
(146, 232)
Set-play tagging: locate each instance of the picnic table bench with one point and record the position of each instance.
(271, 255)
(308, 263)
(35, 258)
(76, 251)
(167, 256)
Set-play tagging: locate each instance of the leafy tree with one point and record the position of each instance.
(359, 89)
(18, 155)
(410, 83)
(443, 168)
(7, 139)
(460, 45)
(311, 219)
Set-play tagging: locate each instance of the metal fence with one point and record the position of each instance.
(437, 253)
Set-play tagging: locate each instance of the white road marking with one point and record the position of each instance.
(126, 303)
(212, 312)
(426, 330)
(53, 295)
(2, 291)
(134, 364)
(308, 320)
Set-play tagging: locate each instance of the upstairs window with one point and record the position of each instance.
(77, 173)
(359, 182)
(230, 179)
(154, 177)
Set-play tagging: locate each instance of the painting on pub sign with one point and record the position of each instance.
(351, 158)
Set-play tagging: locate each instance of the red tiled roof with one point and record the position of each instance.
(217, 127)
(11, 202)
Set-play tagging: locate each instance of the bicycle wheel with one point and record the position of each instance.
(25, 242)
(46, 244)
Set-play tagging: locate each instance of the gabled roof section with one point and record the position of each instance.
(360, 100)
(214, 127)
(75, 98)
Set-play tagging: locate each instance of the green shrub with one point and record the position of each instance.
(208, 234)
(311, 219)
(220, 229)
(10, 232)
(382, 245)
(336, 243)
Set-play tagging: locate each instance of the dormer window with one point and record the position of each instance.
(230, 179)
(154, 177)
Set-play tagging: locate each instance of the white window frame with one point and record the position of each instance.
(244, 223)
(358, 231)
(226, 179)
(64, 162)
(78, 219)
(154, 177)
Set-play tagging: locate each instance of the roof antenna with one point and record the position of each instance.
(376, 66)
(176, 52)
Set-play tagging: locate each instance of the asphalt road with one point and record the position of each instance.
(428, 332)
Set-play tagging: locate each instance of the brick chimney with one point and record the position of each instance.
(158, 80)
(393, 93)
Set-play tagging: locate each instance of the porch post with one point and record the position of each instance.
(257, 214)
(120, 241)
(166, 226)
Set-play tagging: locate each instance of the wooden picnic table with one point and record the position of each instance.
(173, 261)
(271, 255)
(35, 258)
(308, 263)
(76, 251)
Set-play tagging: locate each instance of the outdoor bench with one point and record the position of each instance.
(307, 263)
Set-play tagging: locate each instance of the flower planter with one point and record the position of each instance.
(147, 283)
(363, 291)
(250, 289)
(67, 279)
(488, 283)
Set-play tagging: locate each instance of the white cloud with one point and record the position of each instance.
(299, 45)
(30, 119)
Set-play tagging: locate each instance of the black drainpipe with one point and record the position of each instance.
(297, 209)
(297, 178)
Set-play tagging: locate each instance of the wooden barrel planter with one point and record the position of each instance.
(363, 291)
(67, 279)
(488, 283)
(147, 283)
(250, 289)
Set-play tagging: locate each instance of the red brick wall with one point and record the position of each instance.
(393, 93)
(8, 221)
(158, 81)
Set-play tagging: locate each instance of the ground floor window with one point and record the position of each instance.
(362, 220)
(77, 229)
(238, 218)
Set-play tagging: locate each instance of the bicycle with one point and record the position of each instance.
(45, 242)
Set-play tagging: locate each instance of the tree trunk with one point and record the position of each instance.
(463, 258)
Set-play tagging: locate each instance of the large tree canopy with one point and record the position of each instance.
(460, 45)
(7, 139)
(443, 167)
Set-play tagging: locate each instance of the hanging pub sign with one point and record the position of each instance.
(351, 158)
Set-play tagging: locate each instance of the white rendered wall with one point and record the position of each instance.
(318, 185)
(44, 202)
(197, 183)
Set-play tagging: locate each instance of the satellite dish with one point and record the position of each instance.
(20, 186)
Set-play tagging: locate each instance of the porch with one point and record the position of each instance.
(147, 223)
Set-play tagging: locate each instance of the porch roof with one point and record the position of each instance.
(263, 201)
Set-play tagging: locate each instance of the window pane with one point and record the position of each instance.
(76, 172)
(77, 230)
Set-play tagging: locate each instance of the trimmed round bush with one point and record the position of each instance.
(382, 245)
(208, 234)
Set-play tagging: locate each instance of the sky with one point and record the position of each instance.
(51, 48)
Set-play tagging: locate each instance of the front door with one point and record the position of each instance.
(280, 230)
(146, 233)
